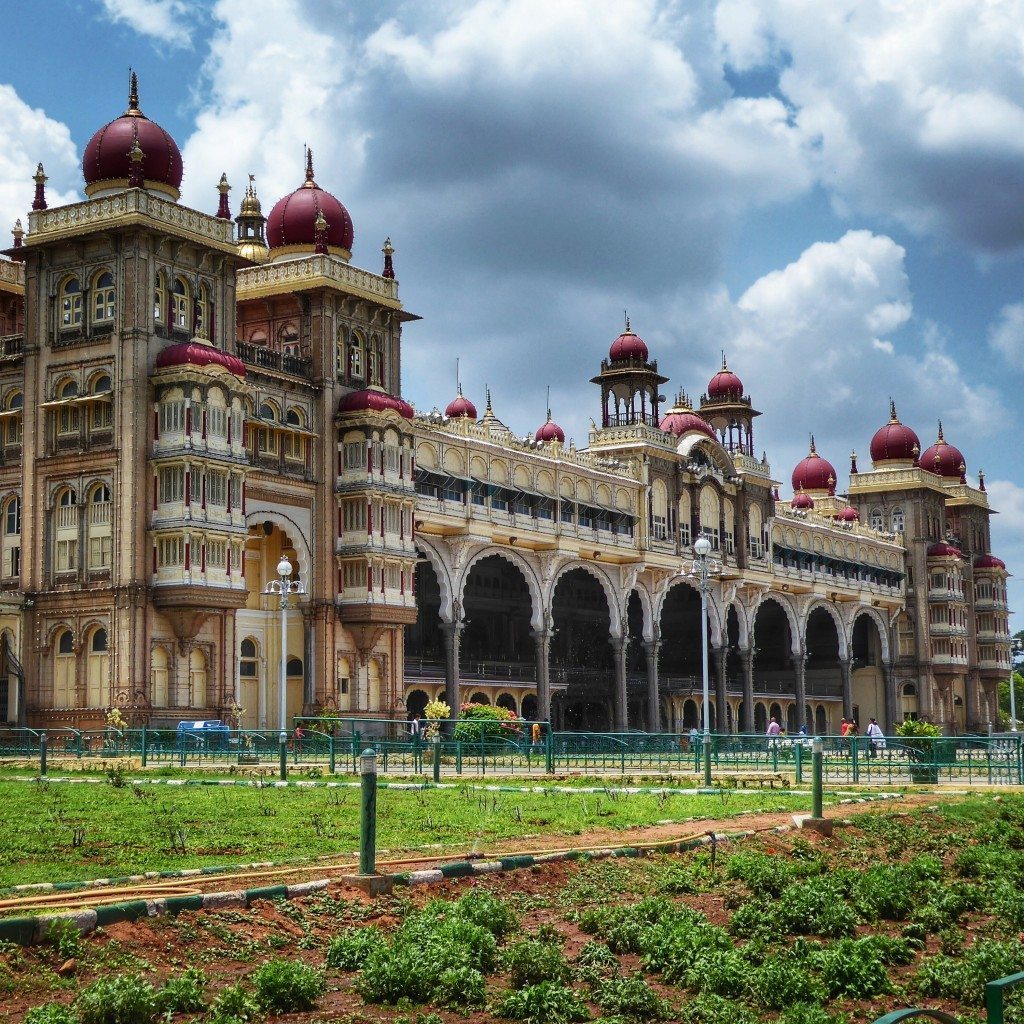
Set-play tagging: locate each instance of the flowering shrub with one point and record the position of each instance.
(435, 712)
(115, 720)
(484, 721)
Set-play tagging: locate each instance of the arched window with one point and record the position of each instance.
(295, 442)
(70, 304)
(15, 421)
(373, 364)
(288, 337)
(103, 298)
(355, 356)
(898, 520)
(181, 299)
(160, 298)
(204, 312)
(98, 524)
(67, 412)
(294, 667)
(98, 662)
(197, 679)
(12, 517)
(12, 537)
(258, 337)
(268, 434)
(247, 665)
(876, 519)
(159, 674)
(65, 533)
(64, 670)
(103, 409)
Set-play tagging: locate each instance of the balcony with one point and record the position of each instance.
(12, 346)
(268, 359)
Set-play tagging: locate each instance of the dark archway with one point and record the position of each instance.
(582, 661)
(479, 698)
(415, 703)
(760, 717)
(773, 655)
(636, 668)
(530, 708)
(679, 665)
(424, 643)
(866, 645)
(508, 702)
(824, 675)
(497, 644)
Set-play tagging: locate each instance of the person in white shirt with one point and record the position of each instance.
(876, 738)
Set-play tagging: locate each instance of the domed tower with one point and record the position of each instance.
(681, 419)
(251, 226)
(112, 157)
(814, 475)
(944, 459)
(630, 383)
(894, 443)
(730, 412)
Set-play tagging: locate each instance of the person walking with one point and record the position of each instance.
(416, 729)
(876, 738)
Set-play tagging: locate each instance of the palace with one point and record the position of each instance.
(186, 399)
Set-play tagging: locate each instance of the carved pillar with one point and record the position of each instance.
(651, 648)
(747, 657)
(542, 638)
(308, 660)
(620, 704)
(801, 689)
(846, 667)
(892, 704)
(452, 632)
(721, 655)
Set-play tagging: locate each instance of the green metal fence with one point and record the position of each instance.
(995, 1009)
(518, 748)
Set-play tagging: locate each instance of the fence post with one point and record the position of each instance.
(330, 740)
(798, 750)
(42, 753)
(549, 751)
(854, 747)
(817, 759)
(1020, 760)
(282, 742)
(435, 741)
(368, 813)
(145, 747)
(775, 753)
(458, 757)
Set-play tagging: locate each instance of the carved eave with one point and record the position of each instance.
(187, 606)
(376, 615)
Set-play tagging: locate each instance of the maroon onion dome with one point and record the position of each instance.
(293, 220)
(943, 458)
(550, 431)
(943, 550)
(989, 562)
(802, 500)
(107, 163)
(460, 406)
(725, 383)
(195, 353)
(849, 515)
(895, 441)
(681, 418)
(628, 346)
(813, 473)
(375, 400)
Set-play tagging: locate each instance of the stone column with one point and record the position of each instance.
(747, 657)
(620, 702)
(651, 648)
(801, 689)
(308, 660)
(542, 638)
(846, 667)
(721, 656)
(452, 632)
(892, 704)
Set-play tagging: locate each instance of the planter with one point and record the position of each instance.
(924, 774)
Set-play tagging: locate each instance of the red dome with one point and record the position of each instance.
(106, 156)
(943, 458)
(802, 500)
(293, 219)
(628, 346)
(849, 515)
(813, 473)
(461, 406)
(550, 431)
(725, 383)
(374, 400)
(195, 353)
(894, 441)
(989, 562)
(681, 418)
(943, 550)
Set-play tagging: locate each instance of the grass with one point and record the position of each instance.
(62, 832)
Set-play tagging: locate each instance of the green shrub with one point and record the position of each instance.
(51, 1013)
(892, 891)
(710, 1009)
(544, 1003)
(185, 993)
(781, 981)
(459, 986)
(487, 722)
(763, 874)
(963, 978)
(719, 971)
(287, 986)
(64, 936)
(349, 949)
(816, 907)
(392, 973)
(488, 911)
(804, 1013)
(233, 1005)
(674, 945)
(594, 962)
(631, 998)
(853, 967)
(120, 1000)
(759, 920)
(530, 961)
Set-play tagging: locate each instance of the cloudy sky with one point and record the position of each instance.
(831, 192)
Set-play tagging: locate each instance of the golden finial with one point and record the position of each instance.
(813, 451)
(941, 439)
(18, 233)
(309, 183)
(222, 186)
(39, 177)
(893, 418)
(626, 317)
(389, 249)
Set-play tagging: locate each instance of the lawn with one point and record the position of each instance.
(75, 831)
(899, 909)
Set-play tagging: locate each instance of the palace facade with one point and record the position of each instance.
(186, 398)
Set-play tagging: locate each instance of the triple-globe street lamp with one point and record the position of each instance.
(283, 587)
(702, 571)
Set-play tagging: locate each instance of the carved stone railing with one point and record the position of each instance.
(12, 346)
(132, 205)
(314, 271)
(755, 467)
(12, 273)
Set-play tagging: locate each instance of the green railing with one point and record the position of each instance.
(514, 748)
(995, 1009)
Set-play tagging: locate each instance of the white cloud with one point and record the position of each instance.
(28, 137)
(167, 21)
(916, 106)
(1006, 335)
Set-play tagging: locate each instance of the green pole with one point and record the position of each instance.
(707, 760)
(145, 746)
(330, 740)
(817, 759)
(282, 741)
(856, 758)
(458, 757)
(436, 741)
(42, 753)
(549, 750)
(799, 762)
(368, 813)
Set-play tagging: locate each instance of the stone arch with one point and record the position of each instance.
(522, 564)
(844, 640)
(443, 574)
(715, 611)
(611, 595)
(796, 633)
(647, 604)
(254, 517)
(881, 624)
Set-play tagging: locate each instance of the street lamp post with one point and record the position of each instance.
(283, 587)
(702, 570)
(1016, 646)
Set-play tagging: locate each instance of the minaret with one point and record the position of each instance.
(223, 209)
(251, 226)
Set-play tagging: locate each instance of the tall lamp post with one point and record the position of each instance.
(283, 587)
(702, 571)
(1016, 647)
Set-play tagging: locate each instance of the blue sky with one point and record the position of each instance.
(833, 193)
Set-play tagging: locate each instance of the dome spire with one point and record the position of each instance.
(893, 418)
(813, 450)
(310, 181)
(389, 252)
(853, 462)
(39, 202)
(18, 233)
(133, 95)
(941, 439)
(625, 315)
(223, 209)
